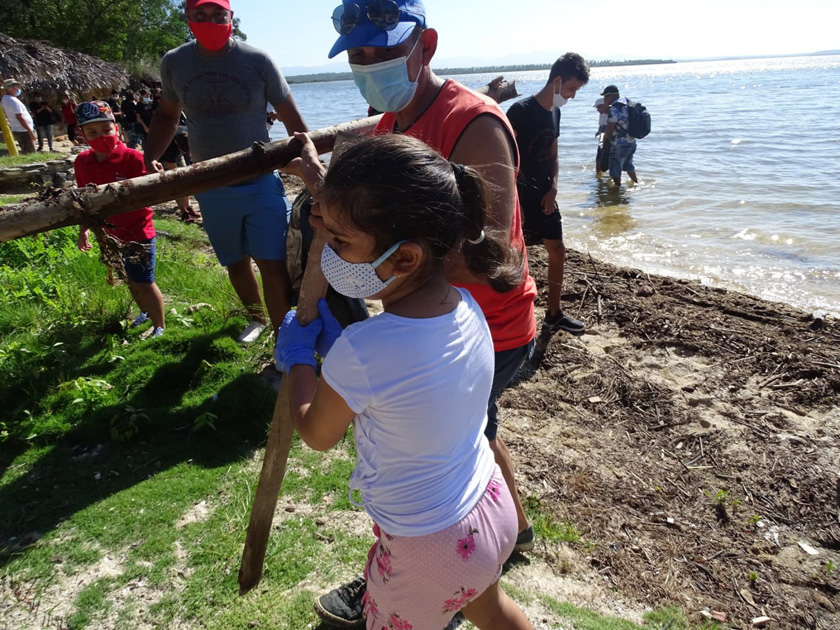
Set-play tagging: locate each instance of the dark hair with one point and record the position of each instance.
(394, 188)
(568, 66)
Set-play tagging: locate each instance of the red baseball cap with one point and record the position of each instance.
(192, 4)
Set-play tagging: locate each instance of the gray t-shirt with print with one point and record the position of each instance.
(224, 97)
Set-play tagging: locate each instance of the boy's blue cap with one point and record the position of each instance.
(94, 111)
(412, 13)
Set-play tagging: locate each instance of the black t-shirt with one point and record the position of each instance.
(114, 104)
(144, 111)
(42, 113)
(128, 111)
(537, 129)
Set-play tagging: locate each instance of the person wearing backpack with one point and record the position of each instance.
(618, 132)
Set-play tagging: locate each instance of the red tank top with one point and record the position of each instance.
(510, 315)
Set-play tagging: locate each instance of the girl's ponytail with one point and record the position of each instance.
(486, 251)
(396, 188)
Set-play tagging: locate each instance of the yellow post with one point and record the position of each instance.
(8, 138)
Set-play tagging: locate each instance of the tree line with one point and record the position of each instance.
(125, 31)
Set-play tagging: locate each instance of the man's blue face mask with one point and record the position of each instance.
(385, 85)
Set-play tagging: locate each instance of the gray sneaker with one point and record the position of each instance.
(342, 606)
(525, 539)
(561, 321)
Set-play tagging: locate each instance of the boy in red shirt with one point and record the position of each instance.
(109, 160)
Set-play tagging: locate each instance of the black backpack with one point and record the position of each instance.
(639, 119)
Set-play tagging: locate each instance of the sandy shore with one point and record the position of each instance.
(693, 437)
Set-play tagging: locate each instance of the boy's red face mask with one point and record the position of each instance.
(104, 144)
(211, 35)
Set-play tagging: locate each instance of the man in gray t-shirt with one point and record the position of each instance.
(223, 86)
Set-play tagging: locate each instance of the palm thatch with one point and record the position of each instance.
(50, 71)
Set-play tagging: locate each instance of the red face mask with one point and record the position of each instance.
(211, 35)
(104, 144)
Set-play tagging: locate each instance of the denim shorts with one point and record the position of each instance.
(249, 219)
(142, 271)
(507, 364)
(621, 158)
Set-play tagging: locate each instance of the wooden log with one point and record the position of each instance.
(313, 288)
(92, 204)
(499, 89)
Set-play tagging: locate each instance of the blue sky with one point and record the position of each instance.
(299, 33)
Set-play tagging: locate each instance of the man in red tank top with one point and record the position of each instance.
(389, 48)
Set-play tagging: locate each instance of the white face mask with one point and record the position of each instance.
(355, 280)
(559, 101)
(385, 85)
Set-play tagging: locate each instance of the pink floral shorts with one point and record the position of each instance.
(420, 582)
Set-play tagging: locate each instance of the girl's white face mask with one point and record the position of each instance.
(355, 280)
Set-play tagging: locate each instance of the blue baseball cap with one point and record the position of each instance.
(366, 33)
(94, 111)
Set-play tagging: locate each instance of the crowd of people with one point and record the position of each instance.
(409, 221)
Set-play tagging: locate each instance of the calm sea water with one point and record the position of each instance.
(739, 179)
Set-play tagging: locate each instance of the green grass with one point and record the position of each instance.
(10, 161)
(104, 452)
(116, 491)
(9, 199)
(547, 526)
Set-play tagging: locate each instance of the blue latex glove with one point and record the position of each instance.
(296, 343)
(331, 331)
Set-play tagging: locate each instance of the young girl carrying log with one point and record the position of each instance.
(414, 380)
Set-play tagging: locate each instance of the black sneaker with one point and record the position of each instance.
(561, 321)
(525, 539)
(342, 606)
(456, 622)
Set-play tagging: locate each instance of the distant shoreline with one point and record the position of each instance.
(346, 76)
(318, 77)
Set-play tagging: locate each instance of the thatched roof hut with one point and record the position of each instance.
(49, 70)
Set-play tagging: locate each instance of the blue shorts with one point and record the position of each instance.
(621, 158)
(507, 364)
(249, 219)
(142, 271)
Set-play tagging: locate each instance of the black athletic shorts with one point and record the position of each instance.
(536, 225)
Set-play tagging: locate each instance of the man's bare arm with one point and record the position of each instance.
(161, 132)
(550, 197)
(609, 132)
(288, 112)
(487, 146)
(25, 125)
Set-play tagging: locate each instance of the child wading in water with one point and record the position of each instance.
(414, 381)
(109, 160)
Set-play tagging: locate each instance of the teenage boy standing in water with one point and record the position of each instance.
(536, 121)
(223, 85)
(389, 48)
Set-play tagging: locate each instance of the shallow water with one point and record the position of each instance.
(739, 179)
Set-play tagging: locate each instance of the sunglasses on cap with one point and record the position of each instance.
(384, 14)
